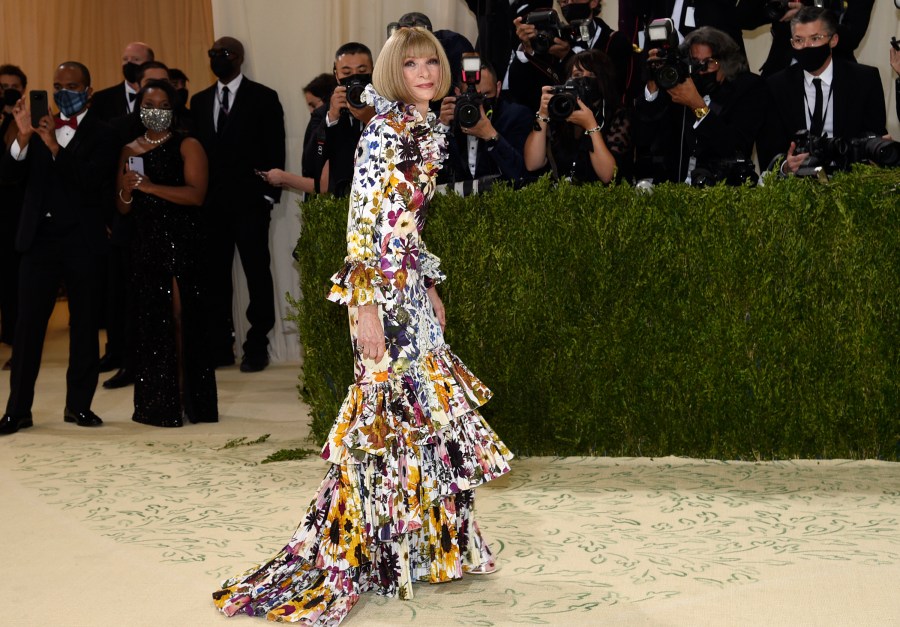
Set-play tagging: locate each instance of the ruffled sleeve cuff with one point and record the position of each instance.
(430, 267)
(359, 283)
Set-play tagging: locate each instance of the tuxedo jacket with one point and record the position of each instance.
(527, 79)
(340, 151)
(857, 98)
(109, 104)
(854, 22)
(666, 130)
(513, 123)
(74, 188)
(725, 15)
(252, 139)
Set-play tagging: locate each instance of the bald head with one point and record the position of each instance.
(137, 52)
(232, 44)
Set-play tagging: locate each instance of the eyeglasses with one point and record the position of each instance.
(814, 40)
(220, 52)
(707, 65)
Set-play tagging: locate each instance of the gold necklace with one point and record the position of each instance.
(157, 141)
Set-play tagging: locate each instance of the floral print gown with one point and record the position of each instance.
(409, 446)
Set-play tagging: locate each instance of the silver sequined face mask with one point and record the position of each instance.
(156, 119)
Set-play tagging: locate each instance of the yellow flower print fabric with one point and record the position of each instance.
(408, 446)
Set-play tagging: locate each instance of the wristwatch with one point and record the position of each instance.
(701, 112)
(491, 141)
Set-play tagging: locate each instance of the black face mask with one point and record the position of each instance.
(130, 71)
(706, 83)
(811, 59)
(574, 11)
(11, 97)
(182, 96)
(221, 66)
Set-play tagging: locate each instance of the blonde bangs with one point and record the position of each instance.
(387, 77)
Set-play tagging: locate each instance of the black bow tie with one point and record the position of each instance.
(132, 96)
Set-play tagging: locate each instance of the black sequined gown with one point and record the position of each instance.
(168, 244)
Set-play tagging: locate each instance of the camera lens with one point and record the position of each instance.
(667, 76)
(467, 114)
(561, 106)
(354, 95)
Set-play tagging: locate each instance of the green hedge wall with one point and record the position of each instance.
(731, 323)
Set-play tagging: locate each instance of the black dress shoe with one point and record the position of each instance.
(254, 363)
(108, 363)
(122, 378)
(11, 424)
(85, 418)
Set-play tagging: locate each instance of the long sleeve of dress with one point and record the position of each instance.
(361, 281)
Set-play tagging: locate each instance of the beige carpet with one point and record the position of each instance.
(131, 525)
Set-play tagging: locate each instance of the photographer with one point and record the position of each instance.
(594, 139)
(711, 116)
(820, 95)
(853, 22)
(342, 120)
(488, 137)
(547, 46)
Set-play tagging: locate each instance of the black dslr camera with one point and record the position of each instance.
(547, 27)
(825, 153)
(672, 65)
(356, 85)
(468, 104)
(882, 152)
(565, 97)
(775, 9)
(736, 172)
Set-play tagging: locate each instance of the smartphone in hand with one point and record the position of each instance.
(136, 164)
(37, 102)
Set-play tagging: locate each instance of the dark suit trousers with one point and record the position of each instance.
(56, 257)
(247, 228)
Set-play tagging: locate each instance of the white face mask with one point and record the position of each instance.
(156, 119)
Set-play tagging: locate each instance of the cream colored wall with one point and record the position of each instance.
(288, 42)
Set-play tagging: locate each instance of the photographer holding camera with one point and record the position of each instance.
(701, 106)
(547, 45)
(853, 22)
(821, 95)
(487, 134)
(342, 119)
(581, 131)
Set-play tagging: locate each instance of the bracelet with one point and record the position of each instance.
(541, 118)
(127, 202)
(591, 131)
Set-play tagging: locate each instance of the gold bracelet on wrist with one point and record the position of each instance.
(701, 112)
(127, 202)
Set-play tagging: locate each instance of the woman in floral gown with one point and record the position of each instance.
(409, 445)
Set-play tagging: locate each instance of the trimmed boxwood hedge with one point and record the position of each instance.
(731, 323)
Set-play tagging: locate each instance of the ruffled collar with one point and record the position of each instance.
(429, 135)
(384, 106)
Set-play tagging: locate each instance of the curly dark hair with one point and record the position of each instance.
(724, 49)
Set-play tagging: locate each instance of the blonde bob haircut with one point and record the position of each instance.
(387, 77)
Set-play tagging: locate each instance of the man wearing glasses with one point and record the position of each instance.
(821, 94)
(241, 126)
(710, 118)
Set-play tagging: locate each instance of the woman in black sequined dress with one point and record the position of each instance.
(162, 180)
